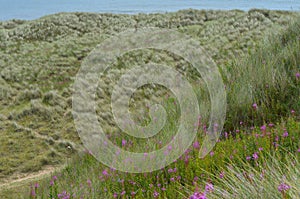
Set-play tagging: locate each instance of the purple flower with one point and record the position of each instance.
(124, 142)
(104, 172)
(248, 158)
(263, 128)
(260, 148)
(285, 134)
(155, 194)
(226, 135)
(297, 75)
(254, 106)
(196, 145)
(63, 195)
(211, 153)
(36, 185)
(222, 174)
(198, 195)
(89, 182)
(255, 156)
(292, 111)
(122, 193)
(209, 187)
(32, 193)
(298, 150)
(283, 187)
(275, 144)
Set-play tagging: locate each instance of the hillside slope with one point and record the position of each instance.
(40, 58)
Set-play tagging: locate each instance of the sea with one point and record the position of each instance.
(33, 9)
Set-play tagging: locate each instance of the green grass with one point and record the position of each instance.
(268, 78)
(263, 181)
(84, 176)
(260, 181)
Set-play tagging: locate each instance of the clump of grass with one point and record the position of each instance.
(267, 78)
(278, 177)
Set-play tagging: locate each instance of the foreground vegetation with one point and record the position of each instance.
(254, 164)
(256, 157)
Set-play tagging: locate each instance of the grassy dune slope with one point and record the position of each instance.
(40, 58)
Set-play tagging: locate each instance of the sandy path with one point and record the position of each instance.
(24, 179)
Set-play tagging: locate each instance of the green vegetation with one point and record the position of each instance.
(262, 131)
(277, 178)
